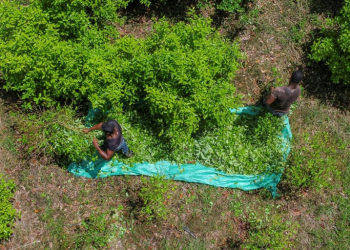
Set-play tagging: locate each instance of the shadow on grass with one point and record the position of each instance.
(176, 10)
(328, 7)
(318, 82)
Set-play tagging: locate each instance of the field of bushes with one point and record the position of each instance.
(169, 72)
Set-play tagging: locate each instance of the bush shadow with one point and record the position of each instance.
(176, 10)
(329, 7)
(318, 82)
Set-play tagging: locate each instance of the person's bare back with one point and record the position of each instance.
(285, 96)
(281, 98)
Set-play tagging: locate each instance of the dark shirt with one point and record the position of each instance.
(284, 98)
(114, 143)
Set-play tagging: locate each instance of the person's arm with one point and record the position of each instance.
(96, 127)
(105, 155)
(270, 98)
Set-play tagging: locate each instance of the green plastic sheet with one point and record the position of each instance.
(187, 172)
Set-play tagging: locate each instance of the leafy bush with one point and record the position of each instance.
(263, 227)
(180, 73)
(37, 62)
(95, 231)
(54, 132)
(186, 77)
(315, 163)
(183, 72)
(155, 193)
(334, 47)
(230, 5)
(92, 231)
(225, 5)
(73, 18)
(7, 212)
(248, 145)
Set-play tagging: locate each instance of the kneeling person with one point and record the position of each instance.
(281, 98)
(114, 139)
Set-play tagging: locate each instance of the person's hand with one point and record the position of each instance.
(85, 130)
(95, 142)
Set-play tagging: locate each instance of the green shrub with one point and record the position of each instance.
(225, 5)
(155, 193)
(180, 73)
(315, 163)
(269, 233)
(92, 231)
(7, 212)
(38, 63)
(230, 5)
(249, 145)
(263, 227)
(55, 132)
(186, 77)
(183, 72)
(74, 18)
(334, 46)
(95, 231)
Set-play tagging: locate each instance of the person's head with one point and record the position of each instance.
(296, 77)
(108, 127)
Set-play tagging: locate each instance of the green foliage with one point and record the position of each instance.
(191, 85)
(74, 18)
(155, 192)
(269, 233)
(7, 212)
(94, 231)
(183, 72)
(148, 3)
(225, 5)
(343, 220)
(334, 46)
(249, 17)
(230, 5)
(55, 132)
(297, 32)
(314, 164)
(249, 145)
(264, 226)
(36, 61)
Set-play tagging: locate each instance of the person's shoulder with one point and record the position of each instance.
(297, 89)
(282, 88)
(278, 90)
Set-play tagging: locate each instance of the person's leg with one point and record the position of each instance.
(277, 113)
(125, 149)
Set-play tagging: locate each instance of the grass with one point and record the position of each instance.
(60, 211)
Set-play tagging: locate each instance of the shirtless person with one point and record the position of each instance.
(281, 98)
(114, 139)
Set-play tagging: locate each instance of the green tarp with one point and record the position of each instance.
(187, 172)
